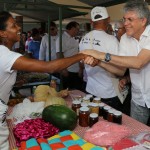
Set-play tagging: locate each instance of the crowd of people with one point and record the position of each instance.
(102, 57)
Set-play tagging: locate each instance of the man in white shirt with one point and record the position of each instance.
(44, 47)
(99, 81)
(71, 76)
(135, 51)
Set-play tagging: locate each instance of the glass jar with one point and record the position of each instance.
(94, 108)
(76, 104)
(117, 117)
(97, 100)
(110, 115)
(90, 96)
(101, 107)
(83, 104)
(84, 116)
(93, 119)
(86, 99)
(105, 112)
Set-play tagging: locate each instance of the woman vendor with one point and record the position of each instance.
(11, 61)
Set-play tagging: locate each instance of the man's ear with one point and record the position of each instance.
(3, 34)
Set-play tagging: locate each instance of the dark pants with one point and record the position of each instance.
(73, 81)
(113, 102)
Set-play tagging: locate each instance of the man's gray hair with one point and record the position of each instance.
(140, 6)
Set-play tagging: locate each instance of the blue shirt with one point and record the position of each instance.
(34, 47)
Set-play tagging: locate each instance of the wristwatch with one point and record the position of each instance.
(107, 57)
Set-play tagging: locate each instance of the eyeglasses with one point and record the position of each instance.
(130, 20)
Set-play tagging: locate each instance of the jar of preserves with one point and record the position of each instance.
(93, 119)
(94, 108)
(86, 99)
(110, 115)
(105, 112)
(76, 104)
(101, 107)
(117, 117)
(84, 116)
(97, 100)
(90, 96)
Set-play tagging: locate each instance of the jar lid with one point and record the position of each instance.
(97, 98)
(85, 98)
(111, 111)
(117, 113)
(101, 104)
(107, 107)
(93, 115)
(89, 95)
(84, 109)
(90, 104)
(84, 104)
(94, 104)
(76, 102)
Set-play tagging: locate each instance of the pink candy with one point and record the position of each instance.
(34, 128)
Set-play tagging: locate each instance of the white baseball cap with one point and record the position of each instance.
(99, 13)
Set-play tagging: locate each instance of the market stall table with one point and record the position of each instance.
(135, 126)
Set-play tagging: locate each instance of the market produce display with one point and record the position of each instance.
(51, 100)
(42, 92)
(61, 116)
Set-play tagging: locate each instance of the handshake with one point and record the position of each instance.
(93, 57)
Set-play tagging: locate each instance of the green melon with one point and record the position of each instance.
(61, 116)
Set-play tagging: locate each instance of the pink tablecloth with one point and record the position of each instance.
(134, 125)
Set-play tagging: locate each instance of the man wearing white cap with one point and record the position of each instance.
(99, 81)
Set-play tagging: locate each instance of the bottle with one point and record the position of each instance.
(93, 119)
(117, 117)
(105, 112)
(84, 117)
(76, 104)
(83, 104)
(101, 107)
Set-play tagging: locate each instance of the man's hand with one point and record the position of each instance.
(89, 60)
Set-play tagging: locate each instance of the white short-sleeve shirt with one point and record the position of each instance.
(70, 47)
(44, 48)
(99, 81)
(140, 79)
(7, 76)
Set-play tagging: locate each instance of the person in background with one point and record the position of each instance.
(71, 77)
(44, 47)
(11, 62)
(119, 29)
(34, 45)
(135, 51)
(99, 81)
(29, 39)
